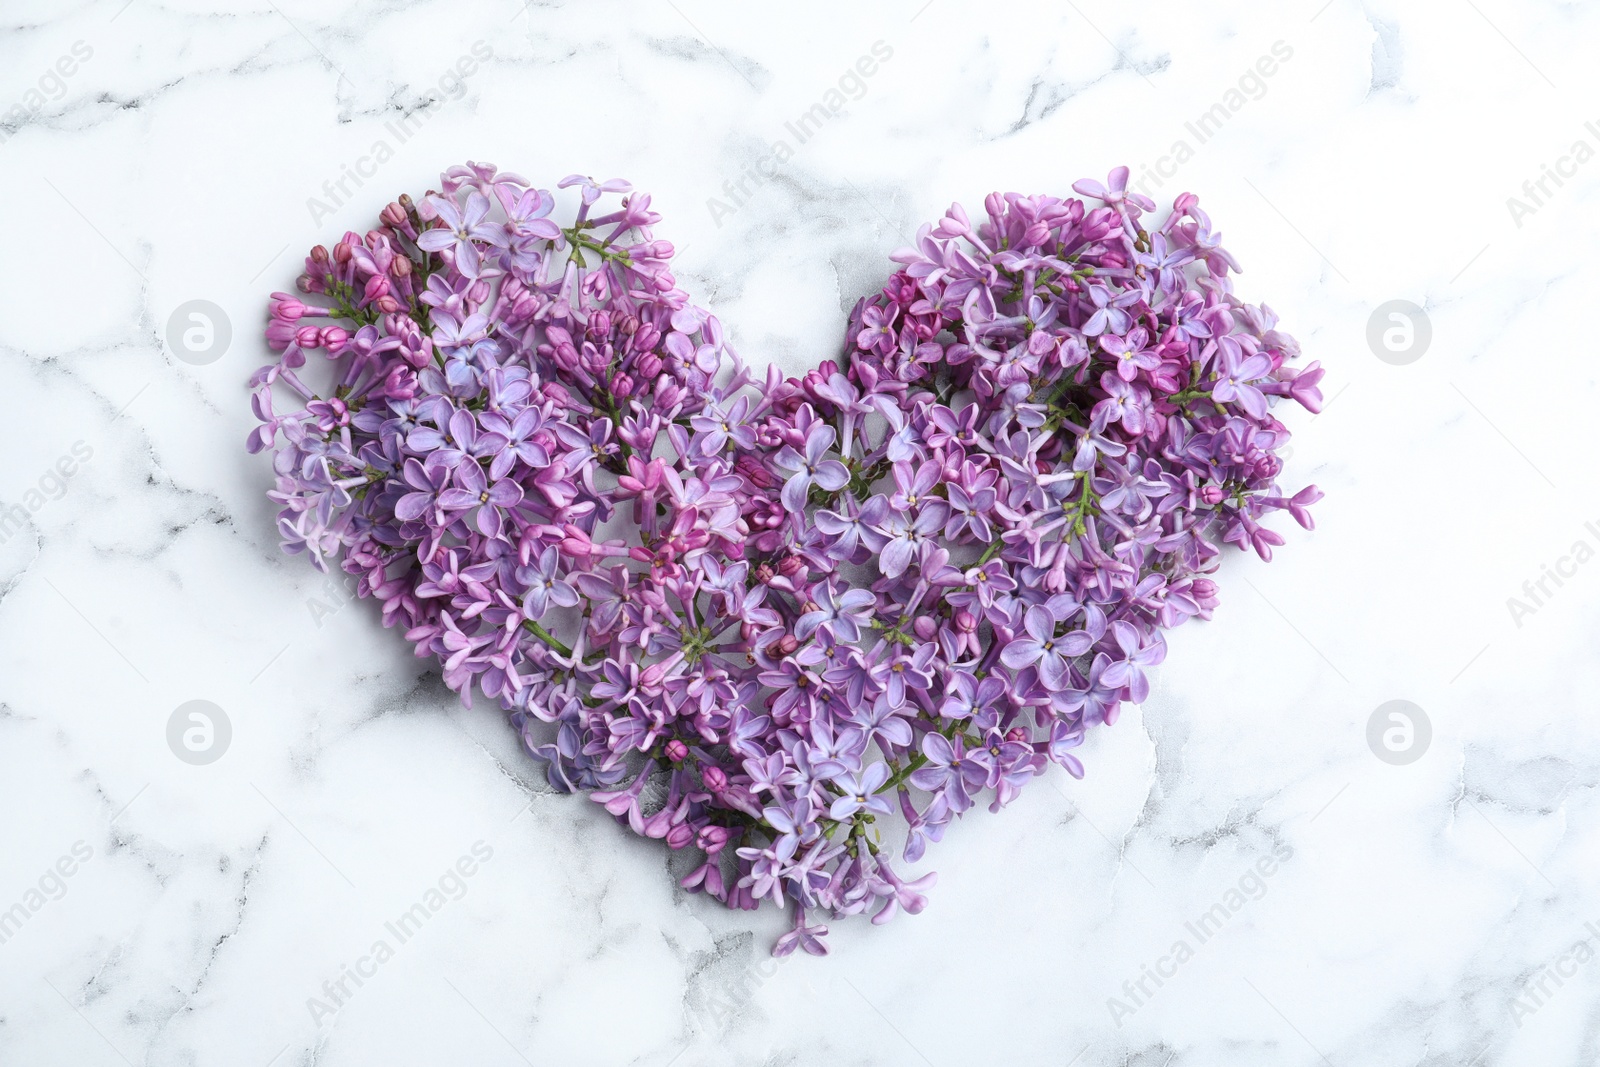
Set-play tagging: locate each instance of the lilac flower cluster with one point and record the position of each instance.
(766, 621)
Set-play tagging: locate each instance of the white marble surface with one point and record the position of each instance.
(176, 162)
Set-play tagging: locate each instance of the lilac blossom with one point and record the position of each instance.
(757, 618)
(859, 792)
(464, 227)
(811, 466)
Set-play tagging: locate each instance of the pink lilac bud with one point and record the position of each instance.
(754, 471)
(421, 355)
(652, 675)
(677, 751)
(668, 393)
(712, 838)
(284, 306)
(280, 334)
(400, 383)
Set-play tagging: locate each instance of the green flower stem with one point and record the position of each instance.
(915, 762)
(574, 234)
(1087, 502)
(544, 635)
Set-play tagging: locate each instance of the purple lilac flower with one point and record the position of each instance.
(463, 228)
(840, 613)
(545, 587)
(859, 792)
(811, 467)
(906, 537)
(487, 501)
(949, 772)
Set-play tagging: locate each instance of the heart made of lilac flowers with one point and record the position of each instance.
(766, 620)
